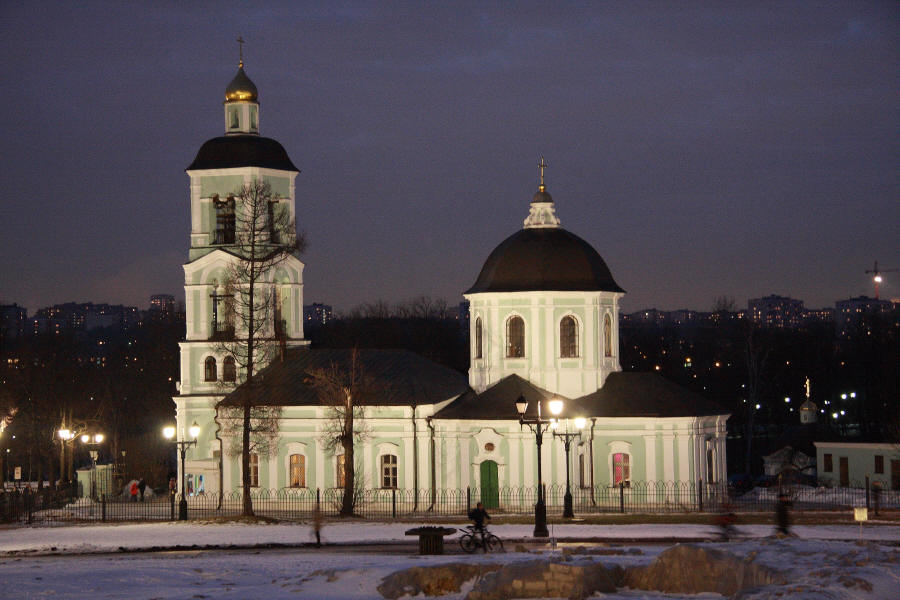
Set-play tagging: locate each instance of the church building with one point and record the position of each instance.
(544, 327)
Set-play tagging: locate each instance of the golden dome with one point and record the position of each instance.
(241, 89)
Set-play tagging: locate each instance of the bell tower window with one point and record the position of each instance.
(607, 336)
(224, 220)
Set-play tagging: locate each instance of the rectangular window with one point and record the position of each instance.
(254, 470)
(298, 470)
(621, 469)
(388, 471)
(879, 464)
(339, 480)
(828, 467)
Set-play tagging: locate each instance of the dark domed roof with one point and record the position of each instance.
(241, 88)
(242, 151)
(544, 259)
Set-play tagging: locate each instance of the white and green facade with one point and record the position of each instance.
(543, 325)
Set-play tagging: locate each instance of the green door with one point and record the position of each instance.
(490, 489)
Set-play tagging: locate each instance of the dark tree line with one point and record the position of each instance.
(114, 381)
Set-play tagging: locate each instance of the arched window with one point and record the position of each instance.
(515, 337)
(297, 470)
(209, 369)
(568, 337)
(388, 471)
(607, 336)
(478, 337)
(621, 469)
(229, 370)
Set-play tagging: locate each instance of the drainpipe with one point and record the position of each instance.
(415, 461)
(221, 458)
(591, 460)
(433, 479)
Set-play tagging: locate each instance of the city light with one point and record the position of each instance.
(787, 399)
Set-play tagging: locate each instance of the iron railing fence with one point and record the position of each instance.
(59, 506)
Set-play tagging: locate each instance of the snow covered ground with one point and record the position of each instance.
(87, 562)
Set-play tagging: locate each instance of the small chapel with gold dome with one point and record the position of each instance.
(544, 327)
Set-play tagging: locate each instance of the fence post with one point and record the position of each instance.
(394, 503)
(867, 493)
(318, 500)
(622, 497)
(172, 503)
(468, 499)
(700, 494)
(103, 507)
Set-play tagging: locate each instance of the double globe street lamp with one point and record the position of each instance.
(567, 437)
(93, 441)
(182, 445)
(539, 426)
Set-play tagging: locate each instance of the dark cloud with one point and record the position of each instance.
(704, 149)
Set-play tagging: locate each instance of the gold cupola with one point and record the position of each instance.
(241, 105)
(241, 89)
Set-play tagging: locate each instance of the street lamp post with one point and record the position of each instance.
(93, 441)
(538, 426)
(182, 445)
(568, 512)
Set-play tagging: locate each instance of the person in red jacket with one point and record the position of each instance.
(134, 491)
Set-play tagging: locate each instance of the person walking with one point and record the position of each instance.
(317, 526)
(142, 485)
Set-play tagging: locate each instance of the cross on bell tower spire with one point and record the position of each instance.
(542, 165)
(241, 42)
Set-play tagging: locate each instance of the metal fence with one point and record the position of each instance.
(50, 506)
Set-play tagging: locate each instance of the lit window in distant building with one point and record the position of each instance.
(515, 337)
(568, 337)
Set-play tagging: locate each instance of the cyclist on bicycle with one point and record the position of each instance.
(478, 515)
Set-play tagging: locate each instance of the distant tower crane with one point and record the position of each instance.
(876, 276)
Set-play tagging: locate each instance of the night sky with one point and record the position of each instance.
(708, 149)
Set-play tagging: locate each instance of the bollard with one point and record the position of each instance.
(172, 503)
(622, 497)
(394, 503)
(318, 500)
(700, 494)
(468, 499)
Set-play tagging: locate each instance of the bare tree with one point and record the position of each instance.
(343, 390)
(264, 237)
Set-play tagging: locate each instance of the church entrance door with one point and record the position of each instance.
(490, 489)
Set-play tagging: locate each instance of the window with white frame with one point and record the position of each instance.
(568, 337)
(254, 469)
(388, 471)
(297, 470)
(621, 464)
(515, 337)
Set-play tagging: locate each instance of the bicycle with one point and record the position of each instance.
(473, 538)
